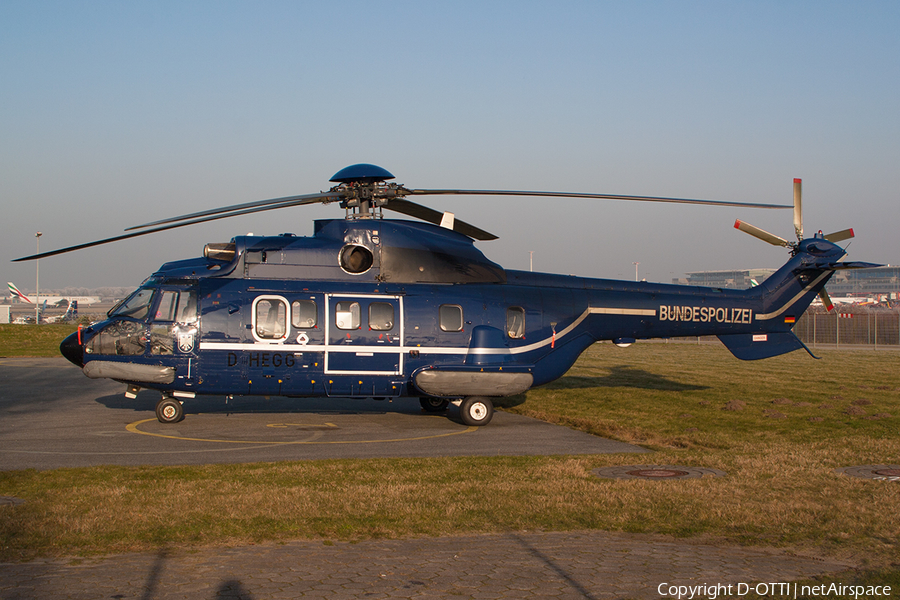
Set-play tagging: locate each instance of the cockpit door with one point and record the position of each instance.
(364, 334)
(175, 331)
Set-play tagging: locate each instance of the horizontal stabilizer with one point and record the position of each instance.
(754, 346)
(853, 265)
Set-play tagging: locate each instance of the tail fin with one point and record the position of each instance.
(71, 311)
(784, 297)
(791, 289)
(15, 293)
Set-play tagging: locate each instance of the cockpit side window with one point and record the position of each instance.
(166, 309)
(176, 306)
(135, 306)
(187, 307)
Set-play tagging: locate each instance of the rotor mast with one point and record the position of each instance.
(363, 190)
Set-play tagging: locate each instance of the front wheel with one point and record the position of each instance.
(476, 411)
(169, 410)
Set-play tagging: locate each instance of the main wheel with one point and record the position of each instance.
(169, 410)
(435, 405)
(476, 411)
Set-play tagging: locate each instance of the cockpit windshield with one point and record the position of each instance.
(136, 306)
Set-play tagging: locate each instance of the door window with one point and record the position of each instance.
(346, 315)
(381, 316)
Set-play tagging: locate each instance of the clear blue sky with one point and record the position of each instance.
(118, 113)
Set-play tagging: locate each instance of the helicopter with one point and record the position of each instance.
(371, 307)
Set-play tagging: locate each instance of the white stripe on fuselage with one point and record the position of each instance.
(791, 302)
(299, 348)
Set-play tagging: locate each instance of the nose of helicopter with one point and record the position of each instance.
(72, 350)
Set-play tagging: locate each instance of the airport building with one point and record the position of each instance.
(737, 279)
(848, 282)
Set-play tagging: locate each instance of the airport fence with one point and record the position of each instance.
(858, 326)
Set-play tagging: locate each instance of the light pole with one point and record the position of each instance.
(37, 282)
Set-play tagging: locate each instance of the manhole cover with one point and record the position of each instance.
(878, 472)
(650, 473)
(656, 472)
(10, 501)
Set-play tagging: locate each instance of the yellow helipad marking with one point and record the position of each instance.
(304, 425)
(133, 428)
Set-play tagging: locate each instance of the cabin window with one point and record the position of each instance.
(304, 314)
(381, 316)
(451, 317)
(346, 315)
(270, 318)
(515, 322)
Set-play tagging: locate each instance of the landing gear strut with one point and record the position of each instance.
(169, 410)
(476, 411)
(433, 405)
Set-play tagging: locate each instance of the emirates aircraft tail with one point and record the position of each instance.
(15, 293)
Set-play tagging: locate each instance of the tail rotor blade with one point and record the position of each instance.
(761, 234)
(840, 236)
(798, 209)
(826, 300)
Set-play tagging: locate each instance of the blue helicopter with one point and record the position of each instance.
(370, 307)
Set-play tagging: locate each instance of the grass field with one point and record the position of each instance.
(778, 428)
(32, 340)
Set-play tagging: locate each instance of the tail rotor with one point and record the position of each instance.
(775, 240)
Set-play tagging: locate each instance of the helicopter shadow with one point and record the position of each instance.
(623, 376)
(146, 401)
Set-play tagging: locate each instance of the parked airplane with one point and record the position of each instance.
(50, 298)
(71, 314)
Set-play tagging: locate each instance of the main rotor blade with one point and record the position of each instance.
(432, 216)
(155, 230)
(597, 196)
(244, 208)
(840, 236)
(761, 234)
(798, 209)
